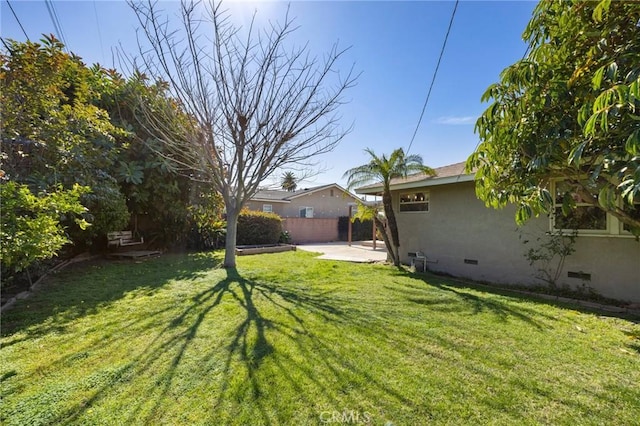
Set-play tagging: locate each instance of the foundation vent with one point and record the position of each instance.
(580, 275)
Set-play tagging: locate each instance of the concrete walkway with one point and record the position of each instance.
(340, 250)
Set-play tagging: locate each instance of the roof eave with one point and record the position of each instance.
(375, 190)
(269, 200)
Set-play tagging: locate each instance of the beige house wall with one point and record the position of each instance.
(259, 206)
(458, 226)
(325, 205)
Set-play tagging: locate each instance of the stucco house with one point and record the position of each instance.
(441, 217)
(310, 214)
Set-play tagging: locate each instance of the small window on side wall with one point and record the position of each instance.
(306, 212)
(414, 201)
(267, 208)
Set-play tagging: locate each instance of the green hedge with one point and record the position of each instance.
(256, 227)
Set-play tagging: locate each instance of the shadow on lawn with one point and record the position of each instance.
(479, 304)
(247, 348)
(82, 288)
(476, 303)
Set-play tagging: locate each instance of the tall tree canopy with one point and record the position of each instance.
(382, 169)
(257, 105)
(569, 111)
(75, 151)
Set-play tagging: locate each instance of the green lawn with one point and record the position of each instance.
(289, 339)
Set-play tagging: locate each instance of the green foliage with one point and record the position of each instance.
(65, 123)
(31, 225)
(569, 110)
(548, 253)
(108, 210)
(207, 226)
(53, 132)
(289, 181)
(258, 228)
(285, 237)
(286, 337)
(147, 171)
(55, 136)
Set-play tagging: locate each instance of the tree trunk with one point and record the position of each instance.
(230, 241)
(393, 225)
(391, 256)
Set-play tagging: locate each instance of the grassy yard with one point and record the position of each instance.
(288, 339)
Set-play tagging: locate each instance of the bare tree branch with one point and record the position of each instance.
(256, 106)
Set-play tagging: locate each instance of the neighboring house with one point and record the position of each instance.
(441, 217)
(311, 214)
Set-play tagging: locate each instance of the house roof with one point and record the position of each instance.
(279, 196)
(444, 175)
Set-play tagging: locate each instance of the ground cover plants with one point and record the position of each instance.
(289, 339)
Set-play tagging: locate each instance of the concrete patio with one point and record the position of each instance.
(359, 251)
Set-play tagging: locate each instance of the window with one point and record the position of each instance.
(414, 201)
(331, 192)
(584, 217)
(306, 212)
(267, 208)
(633, 211)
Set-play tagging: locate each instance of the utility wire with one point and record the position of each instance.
(56, 22)
(19, 23)
(95, 9)
(435, 72)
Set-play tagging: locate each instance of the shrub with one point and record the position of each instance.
(207, 226)
(256, 227)
(31, 228)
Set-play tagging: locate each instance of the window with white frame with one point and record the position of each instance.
(587, 218)
(306, 212)
(584, 217)
(633, 211)
(267, 208)
(414, 201)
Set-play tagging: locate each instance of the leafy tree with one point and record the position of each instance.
(48, 101)
(383, 170)
(289, 181)
(257, 106)
(154, 187)
(31, 225)
(54, 135)
(569, 111)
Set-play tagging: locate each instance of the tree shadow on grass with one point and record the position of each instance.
(460, 293)
(245, 351)
(83, 288)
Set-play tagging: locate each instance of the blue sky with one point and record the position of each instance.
(394, 44)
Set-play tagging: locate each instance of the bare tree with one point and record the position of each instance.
(255, 105)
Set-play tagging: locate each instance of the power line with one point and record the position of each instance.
(56, 22)
(95, 10)
(435, 72)
(19, 23)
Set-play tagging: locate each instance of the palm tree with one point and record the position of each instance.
(289, 181)
(383, 170)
